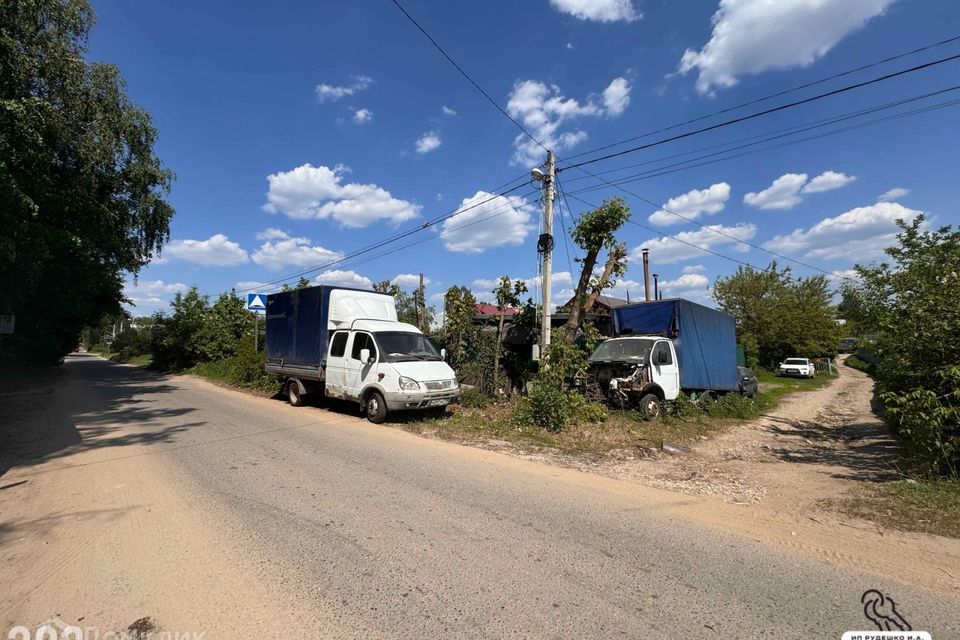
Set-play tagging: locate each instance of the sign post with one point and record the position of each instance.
(256, 302)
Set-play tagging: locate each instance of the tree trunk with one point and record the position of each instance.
(496, 353)
(579, 298)
(612, 260)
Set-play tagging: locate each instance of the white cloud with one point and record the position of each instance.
(332, 93)
(361, 116)
(692, 286)
(784, 193)
(447, 111)
(280, 250)
(827, 181)
(254, 286)
(694, 268)
(499, 221)
(147, 296)
(318, 192)
(216, 251)
(409, 280)
(668, 250)
(691, 204)
(348, 278)
(893, 194)
(557, 279)
(616, 96)
(750, 36)
(428, 142)
(599, 10)
(542, 109)
(859, 234)
(569, 45)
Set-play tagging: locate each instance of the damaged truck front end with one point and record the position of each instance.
(619, 372)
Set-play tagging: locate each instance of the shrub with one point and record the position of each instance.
(733, 405)
(130, 343)
(245, 369)
(927, 421)
(582, 410)
(547, 404)
(473, 398)
(681, 408)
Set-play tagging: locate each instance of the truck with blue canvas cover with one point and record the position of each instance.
(662, 349)
(347, 343)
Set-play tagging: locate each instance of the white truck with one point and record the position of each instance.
(800, 367)
(347, 343)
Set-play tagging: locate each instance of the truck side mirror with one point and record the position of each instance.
(365, 356)
(443, 354)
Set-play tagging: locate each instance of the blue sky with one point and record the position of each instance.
(302, 131)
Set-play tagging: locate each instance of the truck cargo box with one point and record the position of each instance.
(299, 322)
(705, 339)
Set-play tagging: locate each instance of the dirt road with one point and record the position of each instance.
(125, 495)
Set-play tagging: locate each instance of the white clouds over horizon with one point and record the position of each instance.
(599, 10)
(332, 93)
(362, 116)
(751, 37)
(344, 278)
(499, 221)
(409, 280)
(691, 204)
(280, 250)
(543, 108)
(216, 251)
(669, 250)
(318, 192)
(858, 234)
(151, 295)
(787, 191)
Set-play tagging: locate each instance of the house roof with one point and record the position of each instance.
(485, 309)
(605, 301)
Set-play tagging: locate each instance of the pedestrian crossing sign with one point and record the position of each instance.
(256, 302)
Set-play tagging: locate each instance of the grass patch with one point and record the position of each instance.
(244, 371)
(622, 430)
(142, 359)
(924, 507)
(775, 387)
(855, 362)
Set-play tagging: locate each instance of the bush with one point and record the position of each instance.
(546, 405)
(733, 405)
(856, 362)
(131, 343)
(927, 421)
(582, 410)
(245, 369)
(473, 398)
(681, 408)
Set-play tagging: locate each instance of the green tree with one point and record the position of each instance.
(594, 232)
(779, 316)
(459, 309)
(81, 191)
(224, 324)
(507, 295)
(178, 340)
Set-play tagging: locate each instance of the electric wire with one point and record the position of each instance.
(758, 114)
(770, 96)
(467, 76)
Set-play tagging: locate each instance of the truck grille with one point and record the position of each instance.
(439, 385)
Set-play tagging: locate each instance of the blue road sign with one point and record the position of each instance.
(256, 301)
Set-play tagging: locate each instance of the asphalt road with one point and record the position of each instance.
(385, 533)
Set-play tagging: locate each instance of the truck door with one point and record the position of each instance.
(666, 372)
(336, 374)
(359, 373)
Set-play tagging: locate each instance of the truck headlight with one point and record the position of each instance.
(409, 384)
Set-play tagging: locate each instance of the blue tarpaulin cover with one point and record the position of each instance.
(705, 339)
(297, 326)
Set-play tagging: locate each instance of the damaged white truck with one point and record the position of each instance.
(663, 349)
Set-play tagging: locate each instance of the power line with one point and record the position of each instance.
(770, 96)
(774, 135)
(467, 76)
(758, 114)
(694, 162)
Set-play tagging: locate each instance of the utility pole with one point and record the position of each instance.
(656, 286)
(421, 306)
(545, 244)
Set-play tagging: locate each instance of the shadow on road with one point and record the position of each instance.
(88, 403)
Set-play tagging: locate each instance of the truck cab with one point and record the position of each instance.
(640, 371)
(388, 366)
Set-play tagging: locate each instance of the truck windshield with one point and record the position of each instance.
(403, 346)
(625, 349)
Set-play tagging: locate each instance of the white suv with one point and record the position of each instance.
(800, 367)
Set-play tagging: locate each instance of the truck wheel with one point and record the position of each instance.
(294, 397)
(650, 407)
(376, 408)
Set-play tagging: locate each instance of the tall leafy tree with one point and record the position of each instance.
(779, 316)
(507, 295)
(81, 191)
(596, 232)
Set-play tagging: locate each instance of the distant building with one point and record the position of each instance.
(484, 311)
(603, 305)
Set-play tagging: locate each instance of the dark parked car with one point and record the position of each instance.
(748, 382)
